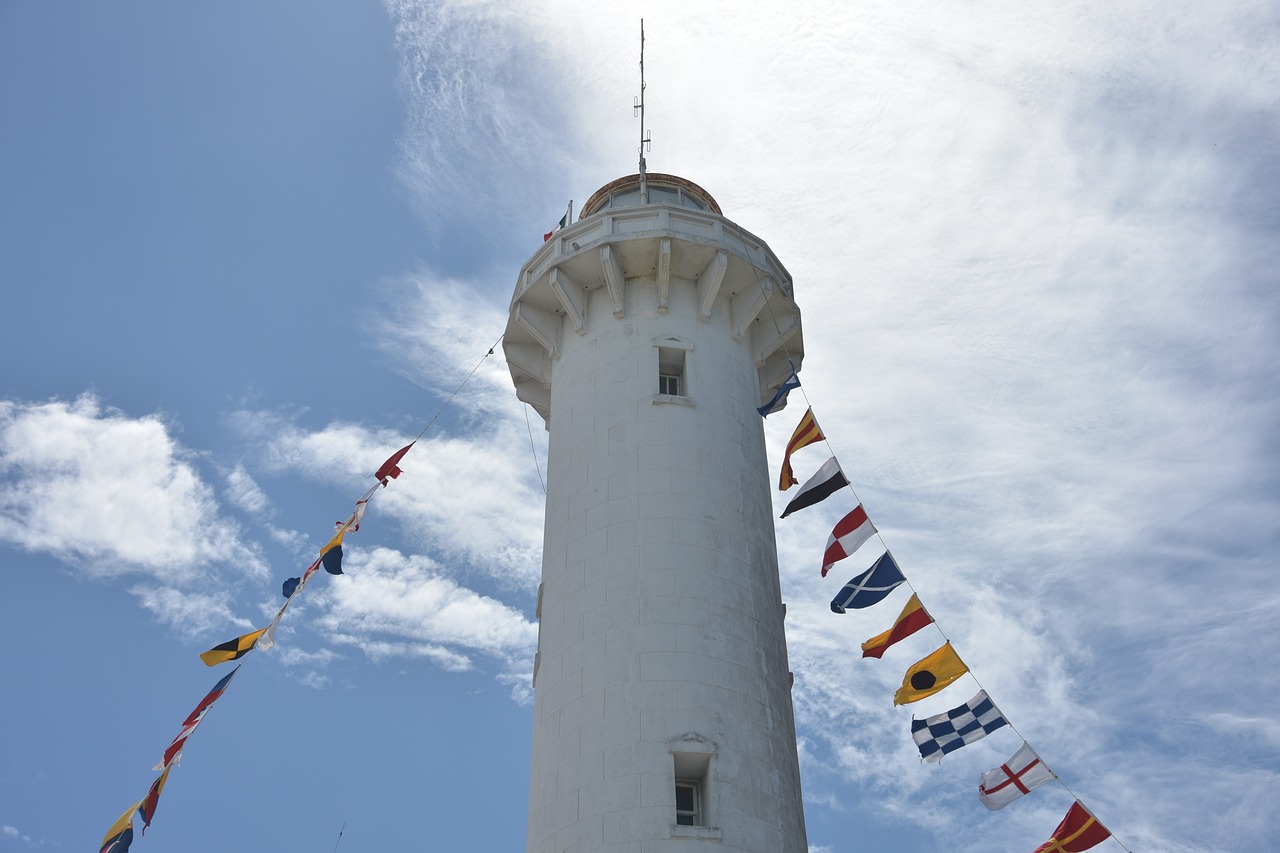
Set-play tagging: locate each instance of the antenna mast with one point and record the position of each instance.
(638, 108)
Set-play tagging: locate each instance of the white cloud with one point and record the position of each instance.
(193, 614)
(312, 679)
(405, 605)
(14, 833)
(468, 101)
(243, 491)
(109, 492)
(293, 656)
(472, 496)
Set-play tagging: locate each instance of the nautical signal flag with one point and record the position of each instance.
(1078, 831)
(826, 482)
(147, 808)
(869, 587)
(357, 516)
(938, 735)
(391, 468)
(779, 399)
(912, 618)
(120, 835)
(193, 720)
(289, 589)
(231, 649)
(930, 674)
(1021, 774)
(806, 433)
(848, 536)
(331, 553)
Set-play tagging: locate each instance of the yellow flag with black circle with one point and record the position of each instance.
(930, 674)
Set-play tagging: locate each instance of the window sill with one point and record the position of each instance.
(706, 833)
(672, 399)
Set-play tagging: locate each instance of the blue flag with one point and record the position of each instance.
(869, 587)
(332, 560)
(787, 387)
(290, 586)
(936, 736)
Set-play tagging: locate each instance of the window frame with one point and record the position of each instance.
(672, 362)
(694, 814)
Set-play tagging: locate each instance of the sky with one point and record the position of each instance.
(249, 250)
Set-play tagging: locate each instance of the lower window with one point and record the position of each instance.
(688, 803)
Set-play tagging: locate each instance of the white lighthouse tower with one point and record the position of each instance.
(646, 335)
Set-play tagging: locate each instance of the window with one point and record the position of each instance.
(673, 366)
(671, 371)
(663, 195)
(691, 201)
(693, 760)
(625, 198)
(688, 802)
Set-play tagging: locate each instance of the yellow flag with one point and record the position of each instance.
(929, 675)
(120, 835)
(231, 649)
(335, 542)
(807, 432)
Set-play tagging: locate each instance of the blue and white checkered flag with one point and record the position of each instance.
(974, 720)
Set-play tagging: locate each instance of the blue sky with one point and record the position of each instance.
(249, 251)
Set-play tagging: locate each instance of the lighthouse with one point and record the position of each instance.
(646, 334)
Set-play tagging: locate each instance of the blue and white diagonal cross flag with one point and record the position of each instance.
(974, 720)
(779, 399)
(870, 586)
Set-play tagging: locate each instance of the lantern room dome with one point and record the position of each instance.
(662, 189)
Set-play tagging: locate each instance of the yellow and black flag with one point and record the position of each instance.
(231, 649)
(930, 674)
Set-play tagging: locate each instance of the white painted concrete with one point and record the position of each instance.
(661, 631)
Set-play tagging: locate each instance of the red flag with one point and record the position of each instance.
(193, 719)
(1078, 831)
(147, 809)
(391, 468)
(912, 618)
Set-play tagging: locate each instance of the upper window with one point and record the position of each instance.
(688, 802)
(671, 372)
(659, 194)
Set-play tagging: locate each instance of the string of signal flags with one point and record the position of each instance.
(934, 736)
(938, 735)
(120, 836)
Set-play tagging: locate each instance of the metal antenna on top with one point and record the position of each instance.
(638, 108)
